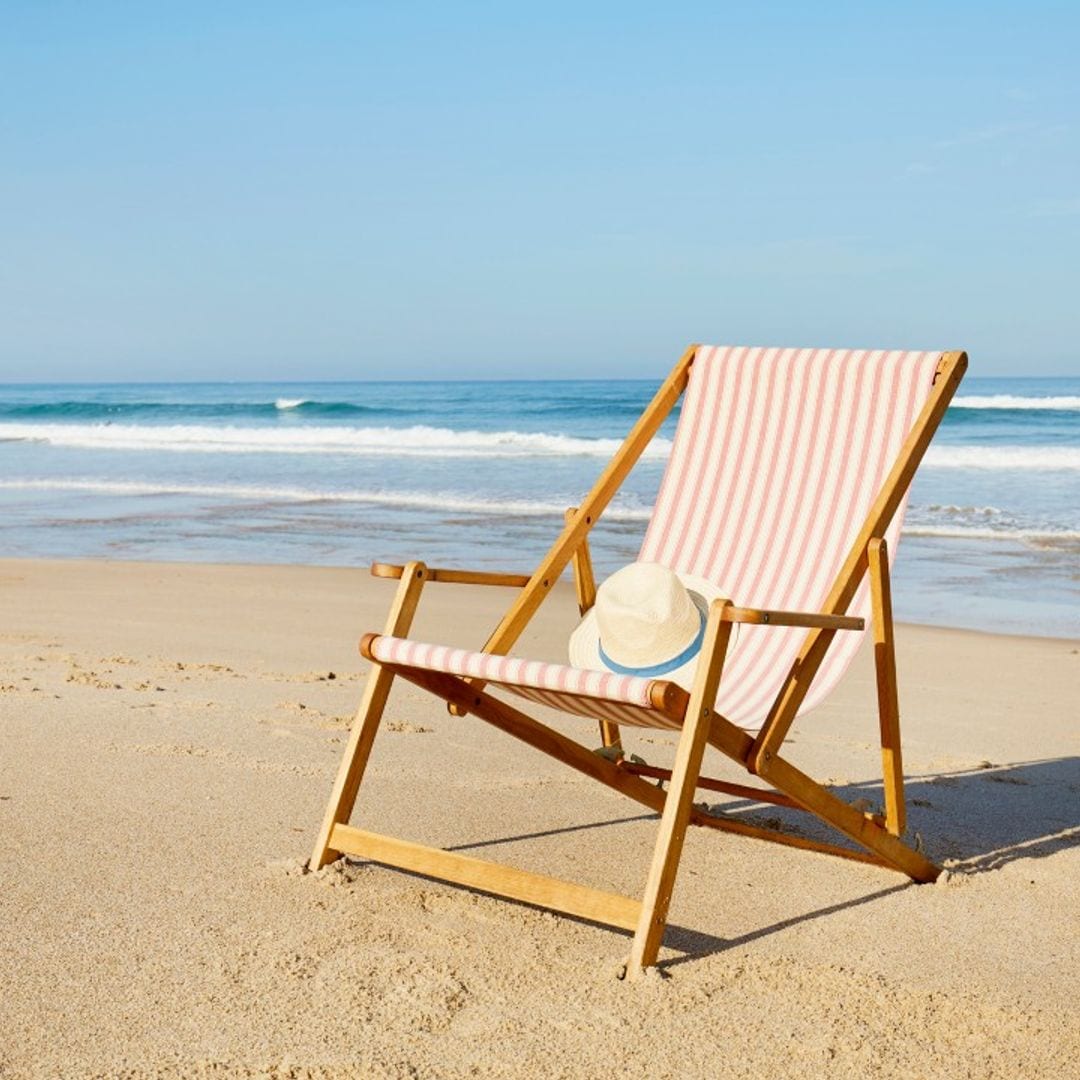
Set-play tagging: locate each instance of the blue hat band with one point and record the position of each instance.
(684, 657)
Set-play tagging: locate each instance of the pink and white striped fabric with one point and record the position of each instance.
(778, 456)
(598, 694)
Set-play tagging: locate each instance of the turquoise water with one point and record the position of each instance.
(478, 474)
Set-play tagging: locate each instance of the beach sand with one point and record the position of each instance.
(169, 737)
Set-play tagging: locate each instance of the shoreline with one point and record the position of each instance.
(169, 734)
(564, 584)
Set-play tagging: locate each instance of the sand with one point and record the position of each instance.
(168, 737)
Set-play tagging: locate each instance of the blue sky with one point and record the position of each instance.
(383, 190)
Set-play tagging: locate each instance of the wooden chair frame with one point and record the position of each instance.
(879, 835)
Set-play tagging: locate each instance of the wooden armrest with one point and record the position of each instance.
(760, 617)
(454, 577)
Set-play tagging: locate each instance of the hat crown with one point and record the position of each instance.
(645, 615)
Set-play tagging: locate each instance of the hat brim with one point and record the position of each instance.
(584, 644)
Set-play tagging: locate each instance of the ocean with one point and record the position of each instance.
(478, 474)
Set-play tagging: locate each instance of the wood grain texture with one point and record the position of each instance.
(763, 617)
(507, 881)
(585, 588)
(850, 821)
(454, 577)
(677, 807)
(892, 764)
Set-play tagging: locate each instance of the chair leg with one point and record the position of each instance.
(368, 716)
(888, 700)
(610, 735)
(680, 797)
(585, 586)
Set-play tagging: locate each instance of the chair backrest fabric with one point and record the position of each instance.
(777, 458)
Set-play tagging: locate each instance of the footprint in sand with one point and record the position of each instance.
(91, 678)
(315, 677)
(199, 669)
(308, 714)
(404, 727)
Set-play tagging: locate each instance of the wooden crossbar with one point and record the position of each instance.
(565, 896)
(454, 577)
(707, 783)
(793, 840)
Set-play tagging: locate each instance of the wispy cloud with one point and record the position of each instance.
(999, 145)
(1050, 208)
(990, 133)
(997, 132)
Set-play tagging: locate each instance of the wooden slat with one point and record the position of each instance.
(888, 696)
(706, 783)
(851, 822)
(585, 587)
(762, 617)
(565, 896)
(782, 714)
(584, 581)
(680, 800)
(730, 739)
(368, 715)
(775, 836)
(454, 577)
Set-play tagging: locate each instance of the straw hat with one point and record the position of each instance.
(647, 621)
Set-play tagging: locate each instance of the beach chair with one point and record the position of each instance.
(785, 486)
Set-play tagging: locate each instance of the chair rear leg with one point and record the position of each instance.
(368, 715)
(585, 587)
(888, 700)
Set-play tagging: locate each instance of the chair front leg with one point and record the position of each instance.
(888, 700)
(680, 797)
(368, 716)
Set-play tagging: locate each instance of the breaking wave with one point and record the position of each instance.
(415, 441)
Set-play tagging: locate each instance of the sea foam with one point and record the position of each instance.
(416, 500)
(1064, 402)
(1004, 457)
(415, 441)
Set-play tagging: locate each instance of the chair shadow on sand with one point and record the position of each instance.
(979, 818)
(974, 820)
